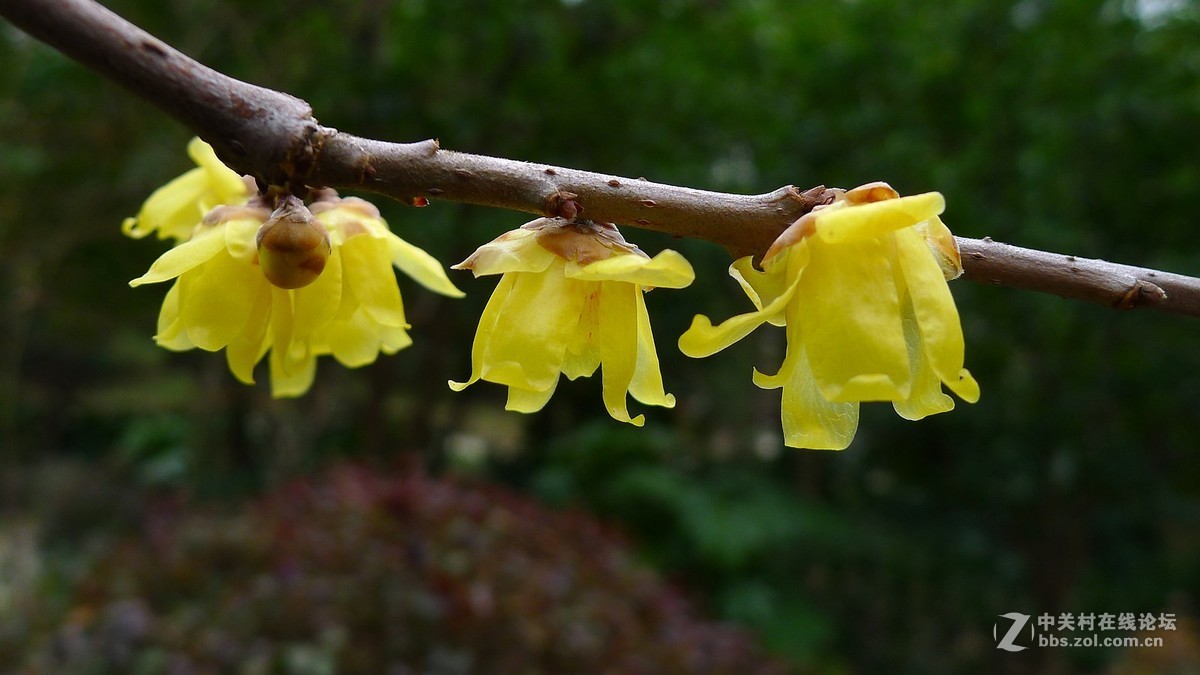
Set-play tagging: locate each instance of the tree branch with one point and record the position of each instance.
(274, 137)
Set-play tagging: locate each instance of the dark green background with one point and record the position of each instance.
(1074, 126)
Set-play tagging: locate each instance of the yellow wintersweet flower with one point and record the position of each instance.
(350, 310)
(176, 208)
(570, 300)
(860, 285)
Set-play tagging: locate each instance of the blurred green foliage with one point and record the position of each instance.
(1070, 125)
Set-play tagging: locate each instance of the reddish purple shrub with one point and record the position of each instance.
(362, 573)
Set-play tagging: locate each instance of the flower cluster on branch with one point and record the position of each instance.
(859, 284)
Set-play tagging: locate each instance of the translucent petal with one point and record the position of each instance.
(291, 379)
(317, 303)
(668, 269)
(809, 419)
(926, 397)
(647, 384)
(943, 246)
(528, 401)
(761, 287)
(245, 351)
(422, 267)
(933, 306)
(172, 210)
(868, 221)
(185, 256)
(171, 334)
(240, 235)
(583, 357)
(618, 345)
(224, 184)
(539, 317)
(367, 267)
(216, 300)
(849, 312)
(703, 339)
(795, 350)
(513, 251)
(487, 327)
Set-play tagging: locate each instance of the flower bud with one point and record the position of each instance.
(292, 245)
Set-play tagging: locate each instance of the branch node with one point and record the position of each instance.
(562, 204)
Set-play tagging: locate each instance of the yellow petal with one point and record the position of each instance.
(216, 300)
(172, 210)
(317, 303)
(171, 334)
(240, 235)
(875, 219)
(933, 306)
(668, 269)
(617, 343)
(224, 184)
(422, 267)
(487, 328)
(182, 258)
(647, 384)
(513, 251)
(248, 348)
(289, 380)
(368, 270)
(583, 357)
(526, 400)
(943, 246)
(849, 313)
(809, 419)
(537, 321)
(926, 397)
(703, 339)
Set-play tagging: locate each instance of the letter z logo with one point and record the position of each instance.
(1018, 622)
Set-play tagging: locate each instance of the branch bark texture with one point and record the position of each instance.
(275, 138)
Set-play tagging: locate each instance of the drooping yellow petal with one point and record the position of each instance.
(422, 267)
(186, 256)
(668, 269)
(487, 328)
(240, 236)
(529, 342)
(809, 419)
(367, 267)
(869, 221)
(291, 379)
(935, 313)
(704, 339)
(647, 385)
(583, 357)
(513, 251)
(171, 334)
(247, 349)
(527, 400)
(172, 210)
(850, 322)
(618, 346)
(926, 397)
(317, 303)
(216, 300)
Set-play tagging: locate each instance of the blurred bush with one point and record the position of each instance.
(364, 573)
